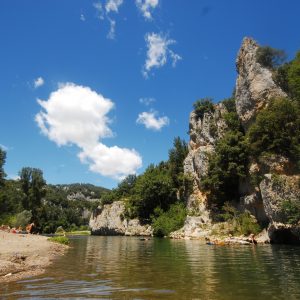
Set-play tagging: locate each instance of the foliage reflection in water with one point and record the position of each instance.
(128, 268)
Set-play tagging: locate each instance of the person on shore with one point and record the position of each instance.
(30, 228)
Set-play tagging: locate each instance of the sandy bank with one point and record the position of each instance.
(25, 255)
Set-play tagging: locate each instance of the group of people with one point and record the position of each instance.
(29, 228)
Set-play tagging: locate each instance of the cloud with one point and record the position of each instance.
(147, 101)
(111, 34)
(76, 115)
(99, 9)
(145, 7)
(113, 161)
(113, 5)
(38, 82)
(82, 17)
(151, 121)
(158, 52)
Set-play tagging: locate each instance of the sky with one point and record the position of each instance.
(91, 91)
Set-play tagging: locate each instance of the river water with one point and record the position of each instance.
(128, 268)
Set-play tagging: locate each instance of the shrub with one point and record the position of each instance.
(270, 57)
(164, 223)
(203, 106)
(226, 166)
(294, 77)
(23, 218)
(239, 222)
(277, 130)
(291, 210)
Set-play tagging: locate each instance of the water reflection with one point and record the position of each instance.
(128, 268)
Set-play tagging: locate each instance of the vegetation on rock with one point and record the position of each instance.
(203, 106)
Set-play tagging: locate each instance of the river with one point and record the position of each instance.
(129, 268)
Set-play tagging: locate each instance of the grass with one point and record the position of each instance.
(59, 239)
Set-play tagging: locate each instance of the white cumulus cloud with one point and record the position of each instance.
(38, 82)
(77, 115)
(146, 6)
(158, 52)
(152, 121)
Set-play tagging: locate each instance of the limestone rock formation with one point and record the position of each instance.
(254, 85)
(110, 220)
(204, 133)
(275, 190)
(194, 227)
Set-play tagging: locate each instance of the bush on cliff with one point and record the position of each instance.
(226, 166)
(277, 130)
(164, 223)
(270, 57)
(238, 222)
(202, 106)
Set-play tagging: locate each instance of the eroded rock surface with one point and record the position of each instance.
(254, 85)
(110, 220)
(204, 133)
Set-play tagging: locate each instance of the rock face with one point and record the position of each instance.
(109, 220)
(254, 85)
(254, 90)
(275, 189)
(204, 133)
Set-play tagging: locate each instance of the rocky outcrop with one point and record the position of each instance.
(110, 220)
(254, 85)
(194, 227)
(204, 133)
(275, 191)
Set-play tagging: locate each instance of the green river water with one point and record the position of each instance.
(128, 268)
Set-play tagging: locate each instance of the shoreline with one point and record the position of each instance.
(26, 255)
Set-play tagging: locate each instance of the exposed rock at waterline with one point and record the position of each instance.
(110, 220)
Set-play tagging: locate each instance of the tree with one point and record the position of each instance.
(2, 162)
(226, 166)
(176, 158)
(153, 189)
(202, 106)
(33, 187)
(294, 77)
(269, 57)
(277, 130)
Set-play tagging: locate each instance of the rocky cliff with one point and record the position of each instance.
(254, 90)
(254, 85)
(110, 220)
(204, 133)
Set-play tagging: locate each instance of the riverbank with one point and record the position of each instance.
(25, 255)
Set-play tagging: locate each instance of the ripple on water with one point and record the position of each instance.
(126, 268)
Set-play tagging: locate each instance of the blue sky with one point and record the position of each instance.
(93, 90)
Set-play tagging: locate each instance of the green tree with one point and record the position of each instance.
(226, 166)
(176, 158)
(33, 187)
(164, 223)
(277, 130)
(270, 57)
(294, 77)
(202, 106)
(2, 162)
(153, 189)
